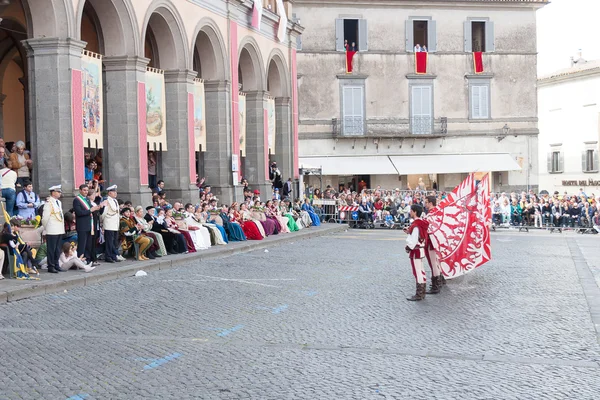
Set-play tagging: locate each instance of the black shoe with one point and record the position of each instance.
(59, 269)
(52, 270)
(155, 254)
(150, 256)
(108, 260)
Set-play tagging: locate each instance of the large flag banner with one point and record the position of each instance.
(272, 124)
(283, 21)
(91, 89)
(156, 109)
(242, 112)
(349, 60)
(478, 62)
(459, 228)
(257, 12)
(421, 62)
(199, 115)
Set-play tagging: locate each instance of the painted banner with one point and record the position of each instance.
(77, 128)
(92, 99)
(283, 21)
(421, 62)
(270, 107)
(459, 228)
(257, 12)
(156, 109)
(199, 115)
(242, 113)
(478, 62)
(295, 110)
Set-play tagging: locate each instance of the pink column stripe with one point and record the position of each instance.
(192, 138)
(142, 138)
(77, 126)
(295, 113)
(235, 115)
(266, 147)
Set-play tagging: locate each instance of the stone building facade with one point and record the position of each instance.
(388, 125)
(569, 102)
(42, 42)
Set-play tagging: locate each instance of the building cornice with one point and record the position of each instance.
(575, 76)
(430, 4)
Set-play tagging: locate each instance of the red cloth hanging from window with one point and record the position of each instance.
(349, 58)
(478, 62)
(421, 62)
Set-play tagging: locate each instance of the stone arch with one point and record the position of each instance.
(169, 34)
(116, 25)
(49, 18)
(278, 80)
(251, 66)
(209, 50)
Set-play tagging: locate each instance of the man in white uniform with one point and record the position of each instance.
(54, 226)
(110, 223)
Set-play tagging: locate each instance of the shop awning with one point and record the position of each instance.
(454, 163)
(412, 164)
(348, 165)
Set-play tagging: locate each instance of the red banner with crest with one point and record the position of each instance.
(459, 227)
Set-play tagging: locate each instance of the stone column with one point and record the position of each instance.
(121, 134)
(217, 157)
(50, 61)
(176, 160)
(284, 145)
(256, 165)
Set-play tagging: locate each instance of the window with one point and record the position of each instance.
(555, 162)
(353, 31)
(479, 35)
(589, 160)
(480, 101)
(421, 31)
(421, 110)
(353, 106)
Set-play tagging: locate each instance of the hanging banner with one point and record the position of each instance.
(283, 21)
(91, 89)
(199, 115)
(271, 123)
(257, 11)
(242, 112)
(156, 115)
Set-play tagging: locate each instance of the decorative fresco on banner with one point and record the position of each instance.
(242, 112)
(272, 124)
(91, 89)
(199, 115)
(156, 116)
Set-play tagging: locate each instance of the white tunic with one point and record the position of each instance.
(110, 216)
(53, 218)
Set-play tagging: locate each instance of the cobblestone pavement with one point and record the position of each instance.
(323, 318)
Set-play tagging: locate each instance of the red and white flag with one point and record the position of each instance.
(257, 12)
(459, 228)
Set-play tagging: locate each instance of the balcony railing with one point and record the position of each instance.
(421, 125)
(353, 126)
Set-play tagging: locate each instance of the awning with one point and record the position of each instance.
(348, 165)
(412, 164)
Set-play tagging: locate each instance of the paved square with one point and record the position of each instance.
(323, 318)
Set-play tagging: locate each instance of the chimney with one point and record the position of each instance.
(572, 61)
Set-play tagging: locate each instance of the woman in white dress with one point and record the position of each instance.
(216, 232)
(196, 228)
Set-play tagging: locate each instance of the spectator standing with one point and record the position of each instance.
(151, 169)
(287, 188)
(21, 163)
(84, 223)
(27, 201)
(417, 48)
(160, 187)
(8, 178)
(54, 224)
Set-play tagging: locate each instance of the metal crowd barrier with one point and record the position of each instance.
(326, 209)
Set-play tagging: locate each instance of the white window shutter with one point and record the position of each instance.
(432, 36)
(561, 162)
(410, 42)
(483, 101)
(416, 101)
(584, 164)
(490, 43)
(468, 37)
(339, 35)
(549, 164)
(363, 35)
(475, 102)
(426, 98)
(596, 165)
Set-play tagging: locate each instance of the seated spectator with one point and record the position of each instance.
(233, 229)
(11, 236)
(21, 163)
(158, 249)
(68, 259)
(311, 212)
(516, 213)
(173, 227)
(27, 201)
(131, 233)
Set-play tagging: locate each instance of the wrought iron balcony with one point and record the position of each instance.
(421, 125)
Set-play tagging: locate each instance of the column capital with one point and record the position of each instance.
(180, 76)
(125, 63)
(53, 46)
(283, 101)
(217, 86)
(256, 95)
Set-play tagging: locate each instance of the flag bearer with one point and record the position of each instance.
(415, 247)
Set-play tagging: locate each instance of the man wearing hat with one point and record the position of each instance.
(110, 222)
(54, 225)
